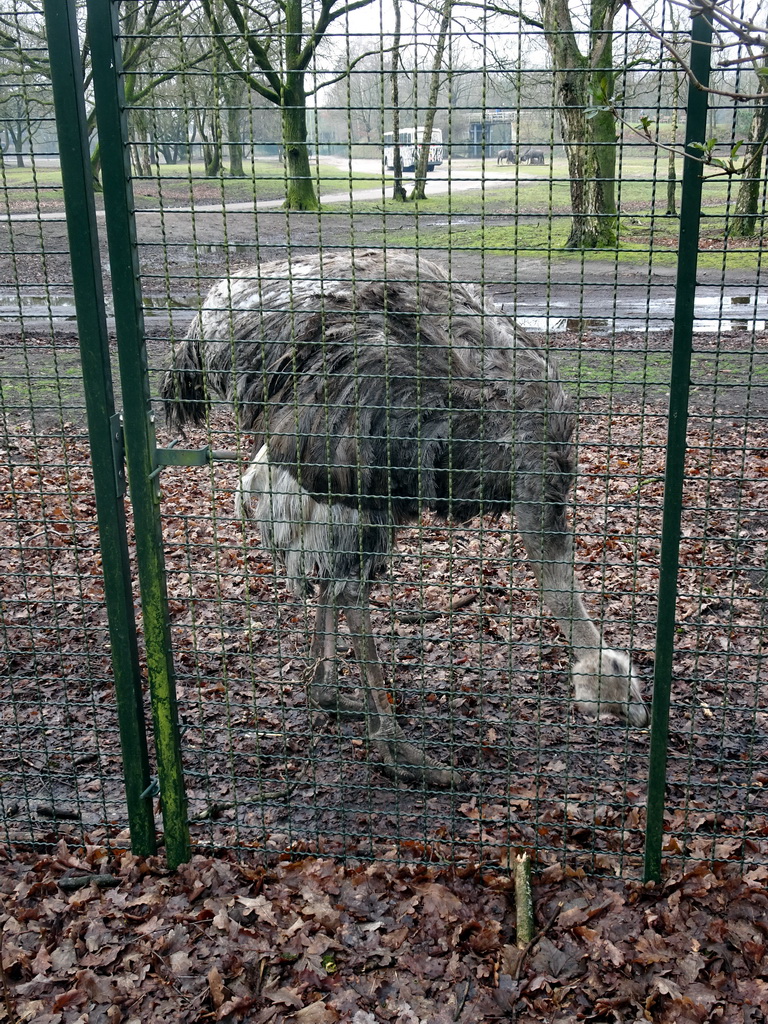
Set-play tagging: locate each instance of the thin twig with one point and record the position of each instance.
(683, 64)
(685, 155)
(71, 883)
(516, 987)
(523, 900)
(535, 940)
(424, 615)
(62, 813)
(462, 991)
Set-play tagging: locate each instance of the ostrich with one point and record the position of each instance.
(376, 388)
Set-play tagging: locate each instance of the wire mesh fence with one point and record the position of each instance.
(292, 165)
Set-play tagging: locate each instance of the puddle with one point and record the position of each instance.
(458, 221)
(20, 308)
(713, 313)
(739, 311)
(51, 306)
(163, 303)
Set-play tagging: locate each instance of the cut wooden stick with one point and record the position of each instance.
(523, 900)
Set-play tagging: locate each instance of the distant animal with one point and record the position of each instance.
(532, 156)
(377, 388)
(508, 155)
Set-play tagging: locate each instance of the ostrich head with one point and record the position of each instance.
(605, 682)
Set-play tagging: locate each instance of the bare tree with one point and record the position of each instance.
(25, 95)
(581, 80)
(233, 92)
(579, 41)
(147, 61)
(420, 183)
(282, 44)
(357, 100)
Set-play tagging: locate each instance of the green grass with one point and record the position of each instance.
(543, 234)
(177, 184)
(25, 185)
(595, 372)
(515, 209)
(533, 216)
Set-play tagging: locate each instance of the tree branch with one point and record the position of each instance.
(507, 12)
(348, 70)
(708, 7)
(327, 16)
(273, 92)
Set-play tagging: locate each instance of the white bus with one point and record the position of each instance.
(410, 140)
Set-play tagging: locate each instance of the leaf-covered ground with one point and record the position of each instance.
(315, 941)
(483, 685)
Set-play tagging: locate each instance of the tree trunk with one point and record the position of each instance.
(232, 91)
(300, 193)
(604, 140)
(18, 141)
(420, 183)
(236, 168)
(235, 134)
(398, 191)
(96, 168)
(590, 142)
(744, 224)
(212, 158)
(671, 210)
(140, 159)
(593, 223)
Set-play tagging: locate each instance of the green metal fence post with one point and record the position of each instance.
(67, 80)
(139, 427)
(682, 344)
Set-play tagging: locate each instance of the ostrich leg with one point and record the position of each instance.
(399, 759)
(322, 676)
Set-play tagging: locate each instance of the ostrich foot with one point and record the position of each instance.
(325, 695)
(404, 762)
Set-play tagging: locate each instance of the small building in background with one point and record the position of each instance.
(496, 132)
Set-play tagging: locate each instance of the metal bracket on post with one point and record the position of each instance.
(173, 456)
(170, 456)
(117, 440)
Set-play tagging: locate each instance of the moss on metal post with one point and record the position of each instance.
(682, 346)
(139, 427)
(67, 80)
